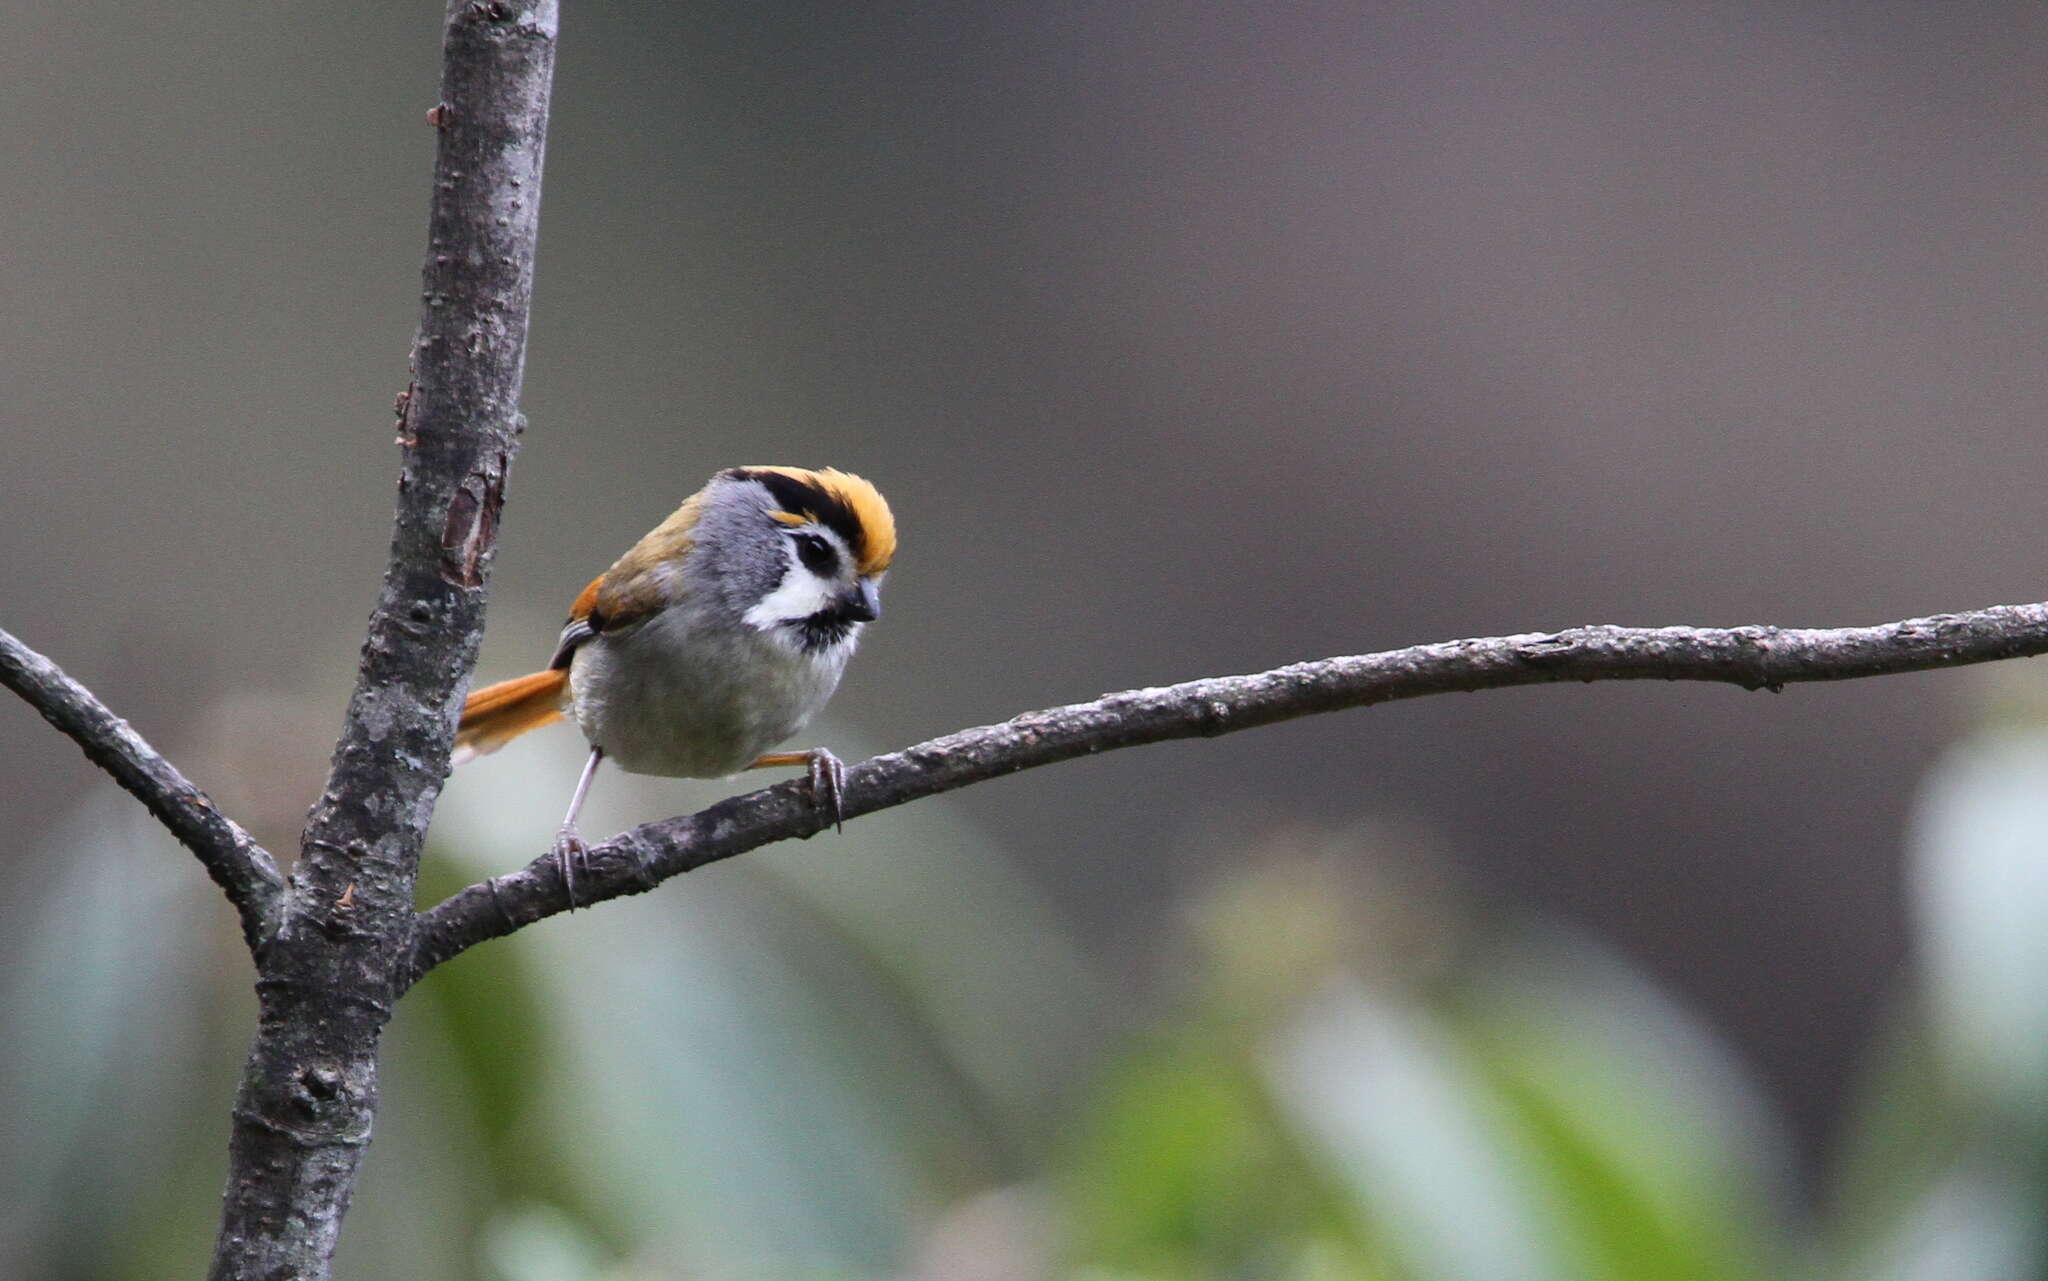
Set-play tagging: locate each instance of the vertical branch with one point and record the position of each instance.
(309, 1092)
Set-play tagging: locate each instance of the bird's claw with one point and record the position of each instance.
(827, 781)
(568, 852)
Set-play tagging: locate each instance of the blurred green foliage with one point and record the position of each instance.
(879, 1057)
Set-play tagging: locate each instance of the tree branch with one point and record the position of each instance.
(231, 856)
(1752, 657)
(302, 1116)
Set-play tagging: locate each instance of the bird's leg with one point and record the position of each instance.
(826, 776)
(568, 845)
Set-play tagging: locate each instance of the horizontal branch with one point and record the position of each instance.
(1752, 657)
(235, 861)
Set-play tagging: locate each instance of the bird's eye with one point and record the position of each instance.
(816, 554)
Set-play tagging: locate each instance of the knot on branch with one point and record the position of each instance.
(1758, 645)
(1552, 648)
(1213, 717)
(470, 534)
(318, 1084)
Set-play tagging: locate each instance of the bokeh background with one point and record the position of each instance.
(1185, 339)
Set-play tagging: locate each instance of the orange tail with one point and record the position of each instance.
(497, 714)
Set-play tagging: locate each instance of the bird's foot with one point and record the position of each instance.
(827, 779)
(568, 853)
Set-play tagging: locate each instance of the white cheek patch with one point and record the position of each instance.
(800, 595)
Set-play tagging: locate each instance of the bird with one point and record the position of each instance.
(716, 636)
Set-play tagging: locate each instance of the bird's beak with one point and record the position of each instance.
(863, 603)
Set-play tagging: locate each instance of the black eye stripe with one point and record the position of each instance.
(794, 495)
(816, 554)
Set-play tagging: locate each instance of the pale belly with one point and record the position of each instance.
(664, 701)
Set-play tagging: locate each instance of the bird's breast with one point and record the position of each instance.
(692, 701)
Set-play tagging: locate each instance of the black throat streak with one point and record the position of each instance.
(824, 629)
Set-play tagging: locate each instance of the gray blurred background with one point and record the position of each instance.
(1184, 338)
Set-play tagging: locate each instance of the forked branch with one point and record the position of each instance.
(1752, 657)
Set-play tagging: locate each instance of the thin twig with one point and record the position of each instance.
(1752, 657)
(231, 856)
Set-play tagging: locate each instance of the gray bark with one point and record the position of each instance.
(326, 978)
